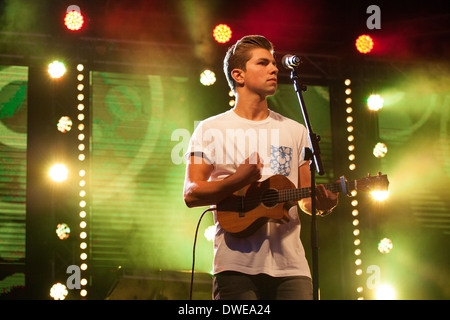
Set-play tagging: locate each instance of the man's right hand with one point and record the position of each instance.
(250, 170)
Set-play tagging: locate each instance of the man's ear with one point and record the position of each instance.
(238, 75)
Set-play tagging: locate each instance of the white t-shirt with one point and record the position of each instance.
(226, 140)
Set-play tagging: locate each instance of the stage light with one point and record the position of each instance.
(63, 231)
(58, 173)
(378, 195)
(232, 101)
(210, 233)
(380, 150)
(364, 44)
(56, 69)
(64, 124)
(375, 102)
(384, 292)
(207, 78)
(222, 33)
(58, 291)
(73, 19)
(385, 245)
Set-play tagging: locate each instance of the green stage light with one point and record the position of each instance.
(385, 245)
(63, 231)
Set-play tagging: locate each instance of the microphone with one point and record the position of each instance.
(291, 61)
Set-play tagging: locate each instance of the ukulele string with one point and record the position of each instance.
(285, 195)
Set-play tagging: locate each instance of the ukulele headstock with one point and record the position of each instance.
(373, 183)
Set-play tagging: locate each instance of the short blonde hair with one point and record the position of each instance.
(239, 53)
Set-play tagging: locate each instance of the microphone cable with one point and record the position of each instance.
(193, 250)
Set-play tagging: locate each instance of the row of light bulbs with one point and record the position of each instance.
(352, 166)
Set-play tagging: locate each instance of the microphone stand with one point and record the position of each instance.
(312, 154)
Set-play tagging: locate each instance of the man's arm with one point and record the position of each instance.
(198, 191)
(325, 199)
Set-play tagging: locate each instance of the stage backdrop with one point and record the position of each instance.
(13, 166)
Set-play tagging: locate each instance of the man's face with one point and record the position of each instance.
(261, 73)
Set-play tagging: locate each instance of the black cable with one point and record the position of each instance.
(193, 250)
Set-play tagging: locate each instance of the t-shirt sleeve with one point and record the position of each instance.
(303, 142)
(200, 144)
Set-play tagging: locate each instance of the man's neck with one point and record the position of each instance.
(255, 109)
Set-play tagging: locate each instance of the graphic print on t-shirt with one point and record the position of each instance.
(280, 160)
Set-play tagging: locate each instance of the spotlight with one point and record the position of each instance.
(64, 124)
(375, 102)
(385, 245)
(364, 44)
(56, 69)
(380, 150)
(380, 195)
(73, 19)
(63, 231)
(222, 33)
(59, 173)
(210, 232)
(207, 78)
(385, 292)
(58, 291)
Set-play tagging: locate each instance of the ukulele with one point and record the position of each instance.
(242, 213)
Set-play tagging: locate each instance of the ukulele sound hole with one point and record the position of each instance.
(269, 198)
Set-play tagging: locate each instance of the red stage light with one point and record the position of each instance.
(222, 33)
(364, 44)
(74, 20)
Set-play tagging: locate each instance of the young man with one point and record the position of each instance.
(243, 145)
